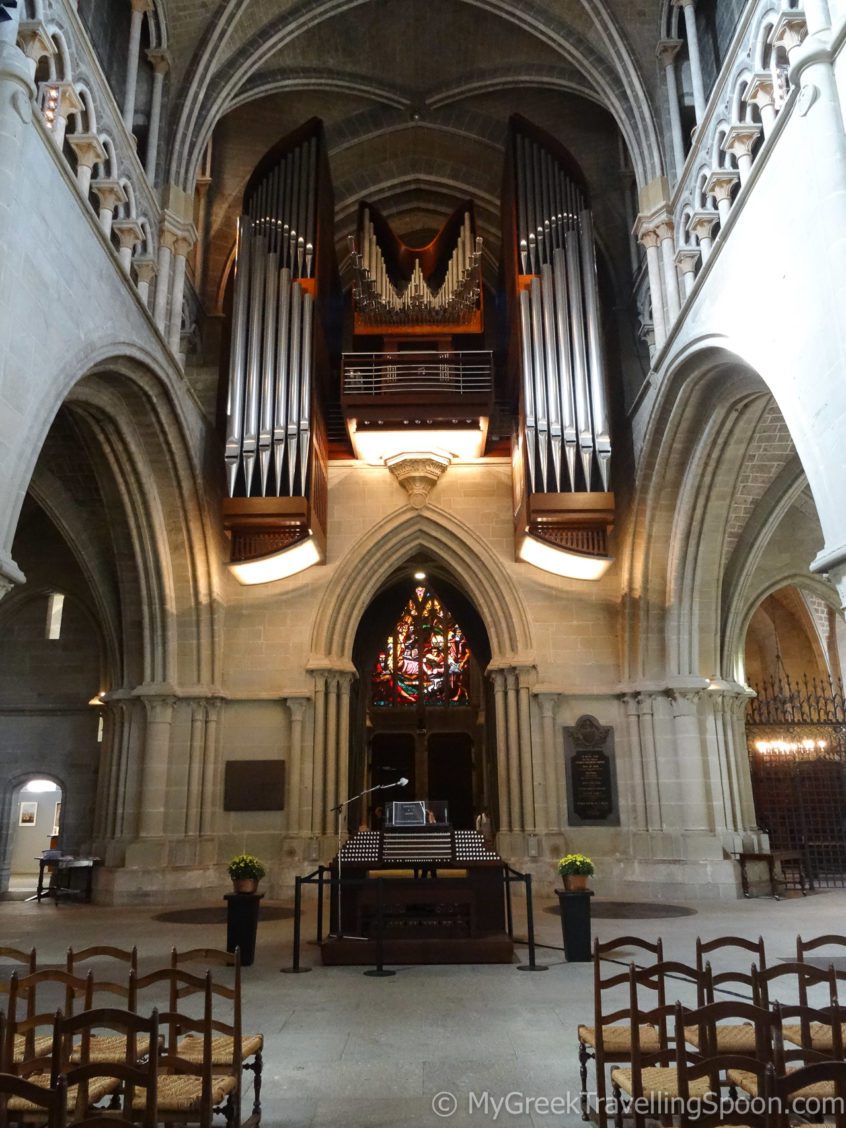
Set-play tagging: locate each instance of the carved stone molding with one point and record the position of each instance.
(417, 473)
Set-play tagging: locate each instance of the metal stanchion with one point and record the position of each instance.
(320, 884)
(530, 927)
(379, 970)
(509, 916)
(295, 968)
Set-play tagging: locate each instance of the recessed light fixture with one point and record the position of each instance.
(420, 575)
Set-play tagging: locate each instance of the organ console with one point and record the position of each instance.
(457, 916)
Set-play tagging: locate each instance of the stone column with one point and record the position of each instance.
(196, 766)
(153, 793)
(686, 259)
(637, 798)
(740, 141)
(108, 755)
(665, 229)
(688, 780)
(331, 798)
(649, 238)
(163, 280)
(651, 776)
(502, 768)
(720, 184)
(139, 8)
(699, 102)
(160, 61)
(760, 93)
(817, 15)
(145, 270)
(667, 51)
(130, 234)
(88, 149)
(299, 809)
(702, 226)
(344, 686)
(118, 796)
(530, 780)
(203, 183)
(555, 814)
(181, 247)
(111, 195)
(319, 792)
(514, 773)
(211, 761)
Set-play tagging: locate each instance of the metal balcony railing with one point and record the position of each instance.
(426, 373)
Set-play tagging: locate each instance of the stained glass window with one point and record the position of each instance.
(425, 659)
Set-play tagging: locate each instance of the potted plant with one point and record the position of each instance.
(246, 871)
(575, 870)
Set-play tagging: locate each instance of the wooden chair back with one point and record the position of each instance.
(707, 948)
(170, 1061)
(803, 947)
(16, 955)
(782, 1102)
(36, 1048)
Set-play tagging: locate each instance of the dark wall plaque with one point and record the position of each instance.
(254, 785)
(591, 774)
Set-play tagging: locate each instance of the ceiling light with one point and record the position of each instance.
(420, 575)
(280, 565)
(561, 562)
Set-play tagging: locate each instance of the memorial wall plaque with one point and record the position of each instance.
(591, 774)
(254, 785)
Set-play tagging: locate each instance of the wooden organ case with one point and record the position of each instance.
(457, 916)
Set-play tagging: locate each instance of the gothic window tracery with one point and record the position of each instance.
(425, 659)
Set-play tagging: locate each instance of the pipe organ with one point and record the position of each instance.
(285, 281)
(563, 448)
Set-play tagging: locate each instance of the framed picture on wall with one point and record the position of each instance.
(57, 817)
(28, 814)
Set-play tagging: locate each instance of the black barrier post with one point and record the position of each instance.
(295, 968)
(320, 905)
(379, 970)
(509, 917)
(530, 927)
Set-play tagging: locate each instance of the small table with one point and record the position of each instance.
(64, 867)
(785, 857)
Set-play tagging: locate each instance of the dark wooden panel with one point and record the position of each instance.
(254, 785)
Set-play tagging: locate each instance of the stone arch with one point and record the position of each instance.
(457, 548)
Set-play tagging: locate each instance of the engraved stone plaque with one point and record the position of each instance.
(591, 774)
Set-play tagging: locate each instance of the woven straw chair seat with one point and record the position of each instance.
(748, 1082)
(111, 1048)
(734, 1038)
(43, 1046)
(659, 1081)
(222, 1047)
(178, 1092)
(98, 1087)
(821, 1035)
(618, 1039)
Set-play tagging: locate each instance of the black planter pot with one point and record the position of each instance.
(242, 913)
(575, 924)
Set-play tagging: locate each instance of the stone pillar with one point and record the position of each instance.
(319, 789)
(513, 723)
(139, 8)
(665, 230)
(760, 93)
(720, 184)
(649, 238)
(162, 281)
(111, 195)
(130, 234)
(686, 259)
(160, 61)
(555, 812)
(651, 787)
(529, 779)
(203, 183)
(145, 270)
(331, 797)
(88, 149)
(699, 102)
(740, 141)
(502, 768)
(637, 795)
(702, 226)
(108, 754)
(344, 686)
(687, 780)
(196, 768)
(153, 790)
(667, 51)
(211, 761)
(181, 247)
(117, 798)
(299, 809)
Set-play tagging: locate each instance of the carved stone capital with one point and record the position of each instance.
(741, 138)
(128, 231)
(721, 182)
(667, 50)
(159, 59)
(759, 91)
(110, 193)
(789, 30)
(87, 147)
(417, 473)
(35, 40)
(687, 258)
(59, 99)
(701, 223)
(145, 268)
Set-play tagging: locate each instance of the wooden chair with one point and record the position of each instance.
(803, 947)
(787, 978)
(231, 1047)
(190, 1092)
(707, 948)
(19, 1096)
(738, 1037)
(725, 1057)
(797, 1093)
(28, 959)
(127, 957)
(24, 1043)
(88, 1076)
(616, 1040)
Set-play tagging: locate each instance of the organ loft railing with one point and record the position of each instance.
(562, 450)
(796, 740)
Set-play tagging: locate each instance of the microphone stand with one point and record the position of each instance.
(339, 935)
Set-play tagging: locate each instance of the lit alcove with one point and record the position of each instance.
(36, 826)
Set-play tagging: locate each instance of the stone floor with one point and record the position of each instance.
(347, 1050)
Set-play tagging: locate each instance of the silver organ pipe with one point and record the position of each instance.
(269, 424)
(565, 402)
